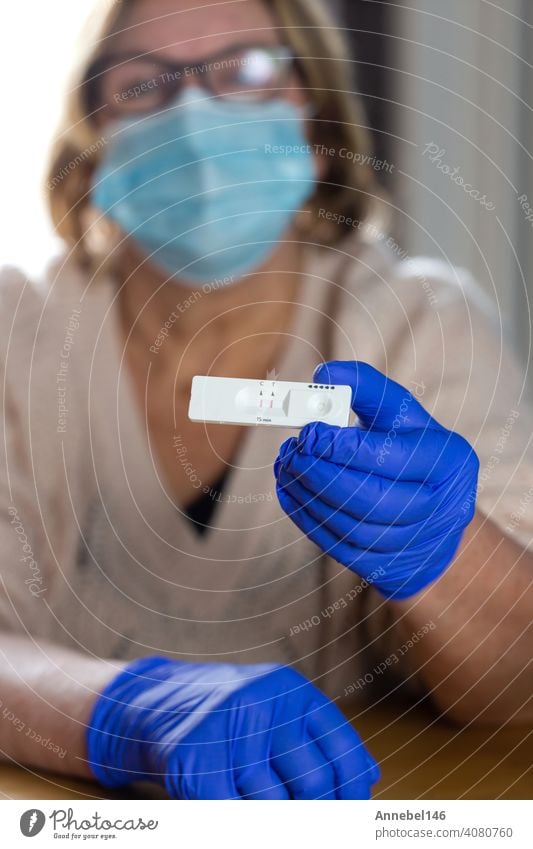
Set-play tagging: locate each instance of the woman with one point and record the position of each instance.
(171, 609)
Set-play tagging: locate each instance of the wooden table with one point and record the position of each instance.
(421, 758)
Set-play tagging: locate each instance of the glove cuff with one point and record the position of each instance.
(118, 752)
(420, 579)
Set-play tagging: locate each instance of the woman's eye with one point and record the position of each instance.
(135, 81)
(141, 86)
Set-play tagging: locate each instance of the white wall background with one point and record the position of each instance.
(37, 43)
(466, 85)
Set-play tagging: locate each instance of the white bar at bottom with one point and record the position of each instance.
(416, 825)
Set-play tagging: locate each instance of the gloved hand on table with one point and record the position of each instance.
(219, 731)
(390, 498)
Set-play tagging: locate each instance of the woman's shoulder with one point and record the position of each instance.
(378, 285)
(18, 292)
(57, 285)
(376, 267)
(38, 312)
(50, 326)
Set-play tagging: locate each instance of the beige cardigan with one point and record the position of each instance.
(96, 556)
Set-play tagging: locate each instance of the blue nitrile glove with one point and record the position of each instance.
(389, 499)
(219, 731)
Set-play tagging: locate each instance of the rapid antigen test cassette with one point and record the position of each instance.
(228, 400)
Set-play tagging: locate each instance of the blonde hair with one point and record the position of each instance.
(347, 190)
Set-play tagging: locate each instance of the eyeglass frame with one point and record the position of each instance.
(104, 63)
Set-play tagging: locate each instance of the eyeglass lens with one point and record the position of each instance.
(137, 85)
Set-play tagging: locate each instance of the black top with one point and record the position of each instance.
(201, 510)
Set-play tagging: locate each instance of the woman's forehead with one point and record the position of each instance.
(185, 29)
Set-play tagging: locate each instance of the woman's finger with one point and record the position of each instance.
(305, 771)
(367, 497)
(365, 535)
(260, 781)
(376, 398)
(365, 563)
(355, 769)
(420, 456)
(390, 572)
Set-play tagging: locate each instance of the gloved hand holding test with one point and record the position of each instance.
(275, 403)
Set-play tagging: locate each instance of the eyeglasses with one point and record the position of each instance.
(119, 85)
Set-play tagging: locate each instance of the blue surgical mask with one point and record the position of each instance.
(208, 188)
